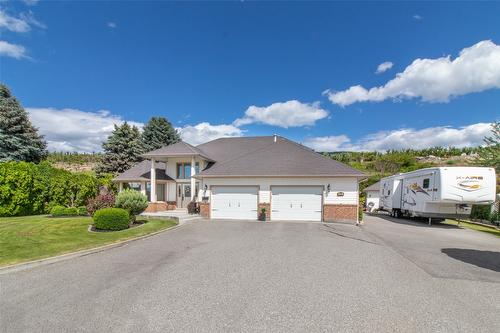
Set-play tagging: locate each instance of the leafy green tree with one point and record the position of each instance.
(122, 149)
(489, 155)
(158, 132)
(19, 139)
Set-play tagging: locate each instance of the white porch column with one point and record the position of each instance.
(143, 188)
(153, 181)
(193, 180)
(120, 186)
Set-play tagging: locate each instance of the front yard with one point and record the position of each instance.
(34, 237)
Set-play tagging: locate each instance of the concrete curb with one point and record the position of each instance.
(52, 260)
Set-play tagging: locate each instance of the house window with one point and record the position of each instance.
(426, 183)
(184, 170)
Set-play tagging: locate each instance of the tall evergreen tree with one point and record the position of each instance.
(19, 139)
(489, 155)
(158, 132)
(121, 150)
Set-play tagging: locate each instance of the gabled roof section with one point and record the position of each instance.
(224, 149)
(142, 172)
(373, 187)
(281, 158)
(177, 149)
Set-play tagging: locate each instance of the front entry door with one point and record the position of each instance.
(183, 195)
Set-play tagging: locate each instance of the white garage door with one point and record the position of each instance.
(296, 203)
(234, 202)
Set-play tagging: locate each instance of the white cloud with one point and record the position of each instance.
(13, 24)
(204, 132)
(31, 2)
(383, 67)
(74, 130)
(30, 19)
(446, 136)
(111, 25)
(288, 114)
(418, 17)
(476, 69)
(12, 50)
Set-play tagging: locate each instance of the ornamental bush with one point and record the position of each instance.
(103, 200)
(133, 201)
(71, 211)
(58, 211)
(111, 219)
(82, 211)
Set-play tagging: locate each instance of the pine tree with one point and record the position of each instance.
(121, 150)
(158, 132)
(19, 139)
(489, 155)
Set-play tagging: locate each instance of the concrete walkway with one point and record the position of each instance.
(179, 214)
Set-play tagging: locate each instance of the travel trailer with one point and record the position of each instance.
(444, 192)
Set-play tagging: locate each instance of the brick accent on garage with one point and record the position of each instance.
(205, 209)
(267, 206)
(340, 213)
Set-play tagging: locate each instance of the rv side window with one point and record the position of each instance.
(426, 183)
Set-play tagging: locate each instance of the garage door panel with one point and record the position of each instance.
(234, 202)
(296, 203)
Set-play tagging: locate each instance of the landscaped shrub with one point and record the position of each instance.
(111, 219)
(103, 200)
(82, 211)
(28, 188)
(58, 211)
(71, 211)
(480, 212)
(133, 201)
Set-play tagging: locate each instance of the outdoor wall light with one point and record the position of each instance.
(328, 188)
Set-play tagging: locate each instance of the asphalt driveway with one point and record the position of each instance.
(249, 276)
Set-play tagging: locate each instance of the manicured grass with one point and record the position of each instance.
(34, 237)
(489, 230)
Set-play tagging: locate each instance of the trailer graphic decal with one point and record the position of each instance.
(469, 183)
(415, 188)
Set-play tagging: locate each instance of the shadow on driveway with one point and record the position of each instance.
(416, 222)
(485, 259)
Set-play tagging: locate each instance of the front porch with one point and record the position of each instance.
(166, 176)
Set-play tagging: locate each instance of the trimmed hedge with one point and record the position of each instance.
(111, 219)
(58, 211)
(82, 211)
(71, 211)
(30, 189)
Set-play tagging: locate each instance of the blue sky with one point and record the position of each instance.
(244, 68)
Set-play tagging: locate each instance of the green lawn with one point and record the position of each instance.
(489, 230)
(33, 237)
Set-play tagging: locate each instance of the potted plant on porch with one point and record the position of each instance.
(262, 214)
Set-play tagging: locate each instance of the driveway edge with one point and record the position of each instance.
(62, 257)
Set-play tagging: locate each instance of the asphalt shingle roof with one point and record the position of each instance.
(261, 156)
(177, 149)
(247, 156)
(373, 187)
(142, 172)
